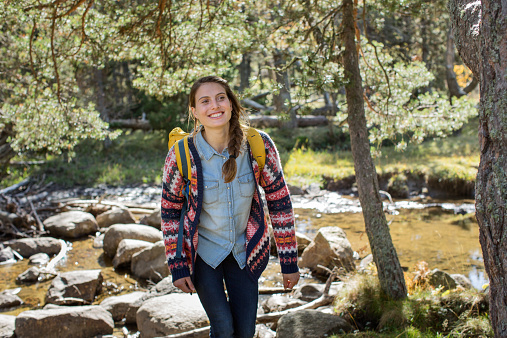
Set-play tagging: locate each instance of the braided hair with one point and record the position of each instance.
(237, 124)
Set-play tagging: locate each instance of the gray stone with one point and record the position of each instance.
(153, 220)
(365, 263)
(31, 275)
(39, 259)
(295, 190)
(303, 242)
(309, 292)
(117, 232)
(310, 323)
(6, 254)
(329, 248)
(75, 287)
(462, 280)
(71, 224)
(124, 306)
(7, 325)
(438, 278)
(7, 300)
(277, 303)
(115, 216)
(262, 331)
(150, 263)
(65, 322)
(27, 247)
(126, 249)
(170, 314)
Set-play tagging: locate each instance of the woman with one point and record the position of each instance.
(226, 237)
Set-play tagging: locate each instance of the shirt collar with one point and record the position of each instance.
(203, 147)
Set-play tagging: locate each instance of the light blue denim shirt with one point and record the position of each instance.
(226, 206)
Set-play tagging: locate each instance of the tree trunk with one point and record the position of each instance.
(244, 72)
(389, 269)
(452, 84)
(480, 32)
(283, 96)
(6, 151)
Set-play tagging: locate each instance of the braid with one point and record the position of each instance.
(236, 136)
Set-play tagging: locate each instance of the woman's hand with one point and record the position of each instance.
(290, 280)
(185, 284)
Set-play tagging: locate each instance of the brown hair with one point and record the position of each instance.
(237, 124)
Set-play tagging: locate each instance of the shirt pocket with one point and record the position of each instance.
(210, 191)
(246, 185)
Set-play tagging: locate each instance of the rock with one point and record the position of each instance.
(439, 278)
(63, 322)
(262, 331)
(127, 248)
(295, 190)
(27, 247)
(310, 323)
(71, 224)
(153, 220)
(6, 254)
(174, 313)
(462, 280)
(309, 292)
(98, 241)
(7, 325)
(124, 306)
(75, 287)
(115, 216)
(330, 248)
(31, 275)
(277, 303)
(39, 259)
(117, 232)
(7, 300)
(365, 263)
(303, 242)
(150, 263)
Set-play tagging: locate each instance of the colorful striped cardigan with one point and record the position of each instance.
(257, 234)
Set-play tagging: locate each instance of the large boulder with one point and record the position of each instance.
(174, 313)
(27, 247)
(126, 249)
(310, 323)
(150, 263)
(329, 248)
(115, 216)
(154, 219)
(8, 299)
(66, 321)
(7, 325)
(124, 306)
(117, 232)
(75, 287)
(71, 224)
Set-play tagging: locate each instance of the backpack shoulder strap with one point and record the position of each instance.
(183, 157)
(257, 145)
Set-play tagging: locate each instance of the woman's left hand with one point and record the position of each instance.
(290, 280)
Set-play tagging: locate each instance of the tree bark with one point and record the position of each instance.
(480, 31)
(244, 72)
(390, 274)
(283, 96)
(6, 151)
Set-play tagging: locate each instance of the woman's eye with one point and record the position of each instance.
(221, 98)
(204, 101)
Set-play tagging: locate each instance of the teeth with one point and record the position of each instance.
(216, 115)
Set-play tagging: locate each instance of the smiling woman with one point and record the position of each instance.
(225, 233)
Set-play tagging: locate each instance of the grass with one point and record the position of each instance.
(309, 155)
(426, 312)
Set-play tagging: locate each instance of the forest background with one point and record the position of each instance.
(74, 71)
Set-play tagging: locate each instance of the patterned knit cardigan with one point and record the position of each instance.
(257, 233)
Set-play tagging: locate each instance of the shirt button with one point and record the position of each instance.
(229, 202)
(228, 187)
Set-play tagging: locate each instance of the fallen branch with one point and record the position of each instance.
(39, 223)
(272, 291)
(15, 186)
(197, 333)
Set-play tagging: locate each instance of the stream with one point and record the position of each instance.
(442, 233)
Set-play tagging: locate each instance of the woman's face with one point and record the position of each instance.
(212, 106)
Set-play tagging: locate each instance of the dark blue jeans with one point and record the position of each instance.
(232, 317)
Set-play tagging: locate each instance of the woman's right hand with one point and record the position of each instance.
(185, 284)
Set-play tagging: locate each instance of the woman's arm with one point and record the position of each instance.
(280, 208)
(172, 203)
